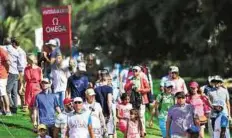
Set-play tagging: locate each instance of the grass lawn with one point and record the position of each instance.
(19, 126)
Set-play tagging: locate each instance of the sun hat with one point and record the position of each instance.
(42, 126)
(67, 101)
(193, 84)
(90, 92)
(218, 103)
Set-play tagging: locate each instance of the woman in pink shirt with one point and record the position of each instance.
(198, 101)
(123, 112)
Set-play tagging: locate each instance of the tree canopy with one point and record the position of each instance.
(192, 34)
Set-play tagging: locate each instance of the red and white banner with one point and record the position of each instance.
(57, 24)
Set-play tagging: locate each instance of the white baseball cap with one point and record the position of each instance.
(168, 84)
(137, 68)
(77, 99)
(174, 69)
(51, 42)
(82, 66)
(90, 92)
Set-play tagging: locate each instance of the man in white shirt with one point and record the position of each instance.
(80, 124)
(98, 120)
(62, 119)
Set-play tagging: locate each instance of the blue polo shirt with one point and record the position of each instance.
(46, 104)
(78, 85)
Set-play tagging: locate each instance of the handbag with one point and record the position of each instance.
(203, 119)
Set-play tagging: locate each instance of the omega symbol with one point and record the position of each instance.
(55, 21)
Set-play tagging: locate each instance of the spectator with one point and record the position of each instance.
(165, 78)
(46, 103)
(80, 124)
(221, 124)
(181, 117)
(33, 77)
(42, 131)
(16, 67)
(139, 87)
(164, 101)
(59, 76)
(77, 83)
(179, 83)
(124, 75)
(123, 112)
(218, 93)
(4, 68)
(92, 69)
(197, 101)
(104, 94)
(62, 119)
(98, 121)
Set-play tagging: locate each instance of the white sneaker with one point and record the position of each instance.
(8, 114)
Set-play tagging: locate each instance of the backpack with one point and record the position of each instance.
(135, 99)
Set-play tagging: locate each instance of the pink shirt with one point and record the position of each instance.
(133, 129)
(124, 110)
(179, 86)
(197, 103)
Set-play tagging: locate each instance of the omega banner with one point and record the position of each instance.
(57, 24)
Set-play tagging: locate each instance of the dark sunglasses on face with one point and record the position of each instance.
(135, 70)
(69, 104)
(170, 87)
(77, 102)
(174, 72)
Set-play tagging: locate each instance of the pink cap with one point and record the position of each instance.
(193, 84)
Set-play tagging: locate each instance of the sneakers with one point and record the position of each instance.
(8, 114)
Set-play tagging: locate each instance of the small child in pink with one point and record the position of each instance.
(123, 112)
(134, 126)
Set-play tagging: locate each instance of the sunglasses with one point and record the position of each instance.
(77, 102)
(174, 73)
(69, 104)
(135, 70)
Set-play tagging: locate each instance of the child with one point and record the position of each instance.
(42, 131)
(221, 123)
(123, 112)
(134, 125)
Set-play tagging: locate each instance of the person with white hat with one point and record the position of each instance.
(42, 131)
(80, 124)
(78, 82)
(46, 104)
(138, 87)
(221, 122)
(98, 120)
(164, 101)
(219, 93)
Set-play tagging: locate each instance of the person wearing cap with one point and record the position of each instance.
(179, 83)
(33, 77)
(42, 131)
(4, 66)
(221, 122)
(77, 83)
(80, 124)
(98, 120)
(61, 123)
(140, 85)
(200, 103)
(165, 78)
(181, 117)
(164, 101)
(46, 104)
(59, 77)
(219, 93)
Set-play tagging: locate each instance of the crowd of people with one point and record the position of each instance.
(73, 97)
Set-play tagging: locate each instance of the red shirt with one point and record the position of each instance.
(3, 64)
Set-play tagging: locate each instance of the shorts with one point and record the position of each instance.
(3, 83)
